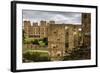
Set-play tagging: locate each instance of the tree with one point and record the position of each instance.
(41, 43)
(35, 42)
(45, 40)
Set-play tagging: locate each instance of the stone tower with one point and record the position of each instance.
(72, 37)
(43, 29)
(27, 26)
(56, 41)
(35, 31)
(86, 29)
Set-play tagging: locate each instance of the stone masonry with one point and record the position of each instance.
(56, 41)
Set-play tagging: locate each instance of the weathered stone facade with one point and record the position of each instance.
(86, 29)
(56, 41)
(72, 37)
(27, 26)
(43, 29)
(36, 31)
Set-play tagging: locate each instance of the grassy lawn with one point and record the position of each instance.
(35, 56)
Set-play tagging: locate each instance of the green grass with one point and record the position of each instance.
(36, 56)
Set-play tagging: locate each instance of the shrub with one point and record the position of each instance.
(28, 40)
(41, 43)
(45, 40)
(35, 42)
(27, 56)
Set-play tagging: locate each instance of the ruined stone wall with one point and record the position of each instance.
(56, 41)
(71, 39)
(86, 25)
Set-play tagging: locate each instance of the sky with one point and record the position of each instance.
(58, 17)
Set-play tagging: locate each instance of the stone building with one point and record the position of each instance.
(35, 30)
